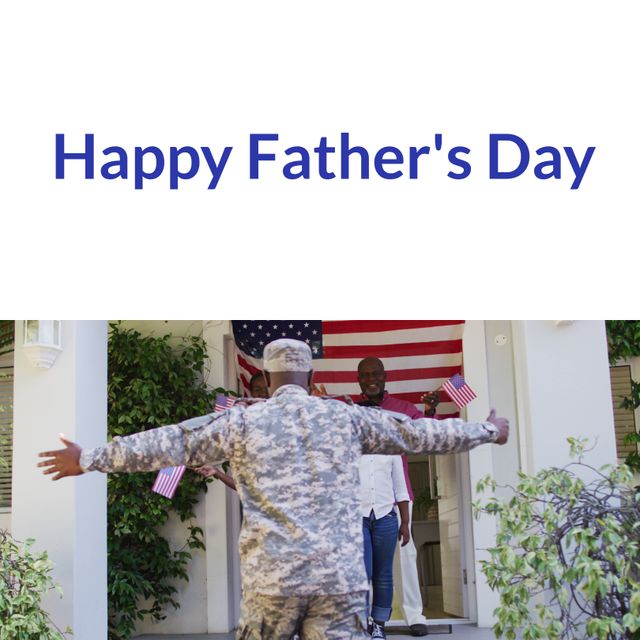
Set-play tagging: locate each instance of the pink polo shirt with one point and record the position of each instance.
(389, 403)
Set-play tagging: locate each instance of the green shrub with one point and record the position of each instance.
(24, 579)
(567, 557)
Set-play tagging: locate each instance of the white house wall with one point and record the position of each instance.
(500, 367)
(564, 378)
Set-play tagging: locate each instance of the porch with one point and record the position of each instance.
(458, 632)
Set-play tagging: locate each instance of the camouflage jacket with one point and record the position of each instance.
(295, 460)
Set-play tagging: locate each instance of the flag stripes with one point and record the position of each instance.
(396, 350)
(167, 481)
(223, 402)
(418, 355)
(395, 375)
(458, 390)
(361, 327)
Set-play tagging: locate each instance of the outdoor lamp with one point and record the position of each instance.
(42, 341)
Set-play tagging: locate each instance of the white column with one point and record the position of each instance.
(67, 518)
(222, 510)
(481, 463)
(564, 389)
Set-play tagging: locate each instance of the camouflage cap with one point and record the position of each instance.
(287, 355)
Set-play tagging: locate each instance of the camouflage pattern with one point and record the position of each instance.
(287, 355)
(295, 460)
(339, 617)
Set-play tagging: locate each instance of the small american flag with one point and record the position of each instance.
(223, 402)
(167, 481)
(458, 390)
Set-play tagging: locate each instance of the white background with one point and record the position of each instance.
(209, 74)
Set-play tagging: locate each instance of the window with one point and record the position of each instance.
(6, 411)
(6, 435)
(624, 419)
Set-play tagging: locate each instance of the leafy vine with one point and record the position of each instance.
(152, 382)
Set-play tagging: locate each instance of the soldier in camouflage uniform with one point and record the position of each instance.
(295, 460)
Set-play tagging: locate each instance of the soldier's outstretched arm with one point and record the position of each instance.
(380, 432)
(193, 443)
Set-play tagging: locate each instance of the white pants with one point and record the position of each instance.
(406, 583)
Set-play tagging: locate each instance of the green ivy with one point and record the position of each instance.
(24, 578)
(567, 557)
(152, 382)
(623, 340)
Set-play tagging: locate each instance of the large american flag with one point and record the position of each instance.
(418, 355)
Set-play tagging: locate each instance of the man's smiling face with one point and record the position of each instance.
(372, 377)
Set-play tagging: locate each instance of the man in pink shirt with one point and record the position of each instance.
(372, 378)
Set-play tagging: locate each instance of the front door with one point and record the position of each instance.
(451, 541)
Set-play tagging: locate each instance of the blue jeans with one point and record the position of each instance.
(380, 538)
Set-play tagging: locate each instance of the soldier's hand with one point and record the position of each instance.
(403, 534)
(502, 424)
(63, 462)
(318, 391)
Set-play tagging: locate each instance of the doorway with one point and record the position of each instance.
(439, 527)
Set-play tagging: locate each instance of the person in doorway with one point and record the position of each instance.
(372, 380)
(295, 460)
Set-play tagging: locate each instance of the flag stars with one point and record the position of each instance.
(244, 326)
(259, 326)
(290, 326)
(275, 326)
(306, 324)
(314, 332)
